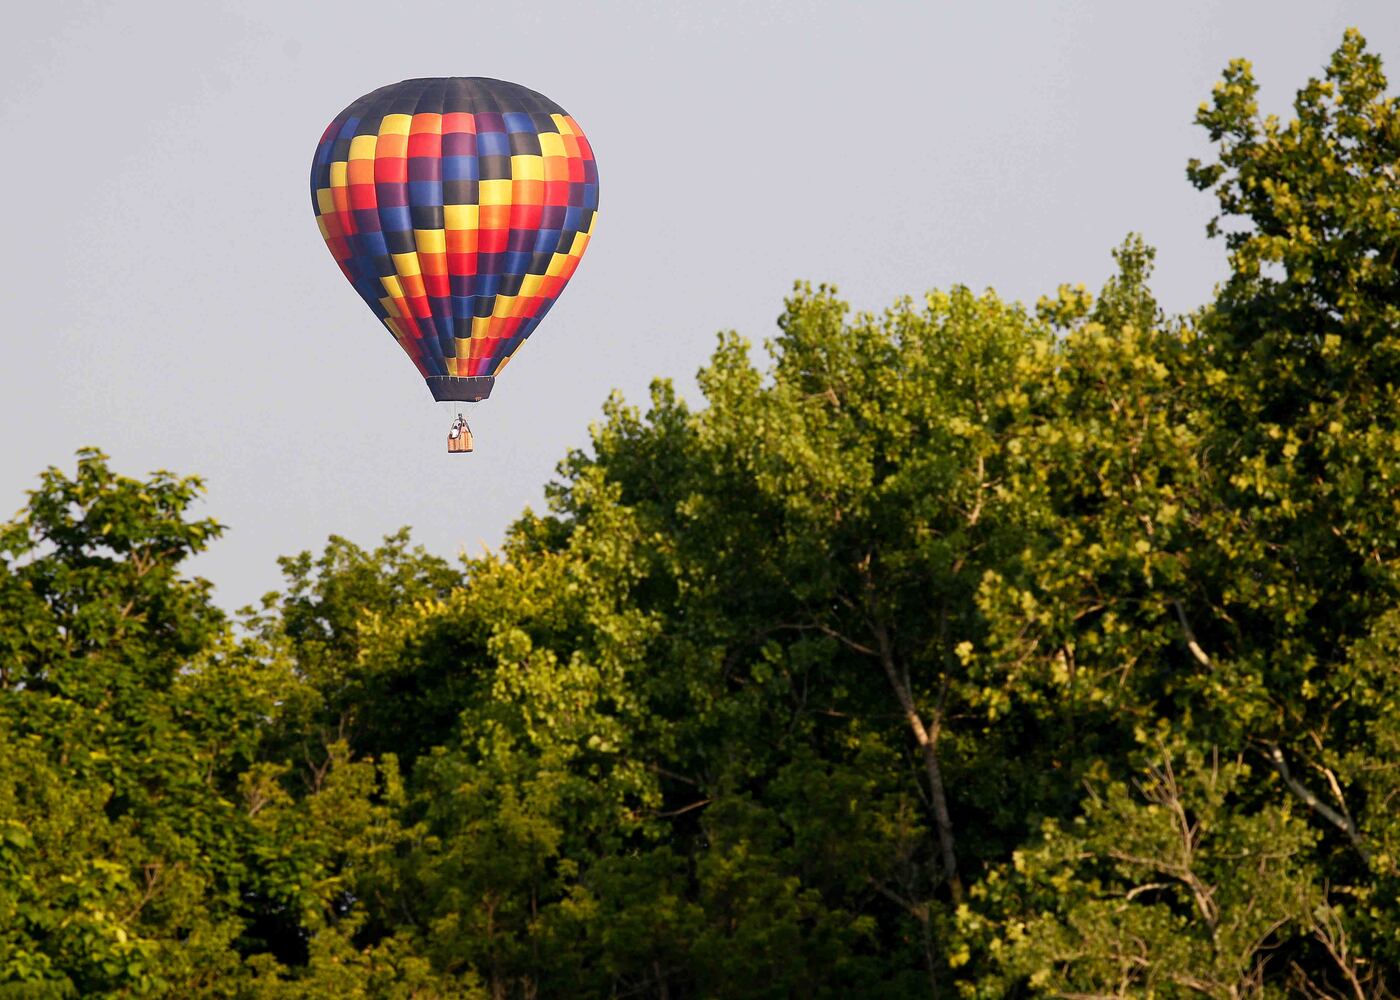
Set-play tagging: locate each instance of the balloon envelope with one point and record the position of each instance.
(459, 209)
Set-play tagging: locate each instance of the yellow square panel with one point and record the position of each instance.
(395, 124)
(338, 172)
(495, 192)
(430, 240)
(460, 216)
(406, 264)
(527, 167)
(362, 147)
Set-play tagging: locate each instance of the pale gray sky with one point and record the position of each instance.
(167, 296)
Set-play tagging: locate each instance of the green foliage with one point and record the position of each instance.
(959, 650)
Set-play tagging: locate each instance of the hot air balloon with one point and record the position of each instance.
(458, 208)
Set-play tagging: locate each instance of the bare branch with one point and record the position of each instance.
(683, 809)
(1191, 643)
(919, 911)
(658, 769)
(943, 822)
(846, 641)
(1148, 887)
(976, 513)
(1343, 822)
(1337, 794)
(1331, 934)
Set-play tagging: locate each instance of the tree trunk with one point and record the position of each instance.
(928, 746)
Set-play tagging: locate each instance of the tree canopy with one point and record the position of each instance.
(969, 649)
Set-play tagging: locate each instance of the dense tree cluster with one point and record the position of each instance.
(966, 650)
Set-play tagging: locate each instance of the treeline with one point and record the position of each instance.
(965, 650)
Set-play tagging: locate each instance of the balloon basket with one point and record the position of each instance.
(460, 445)
(459, 439)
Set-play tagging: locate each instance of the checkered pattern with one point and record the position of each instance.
(459, 209)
